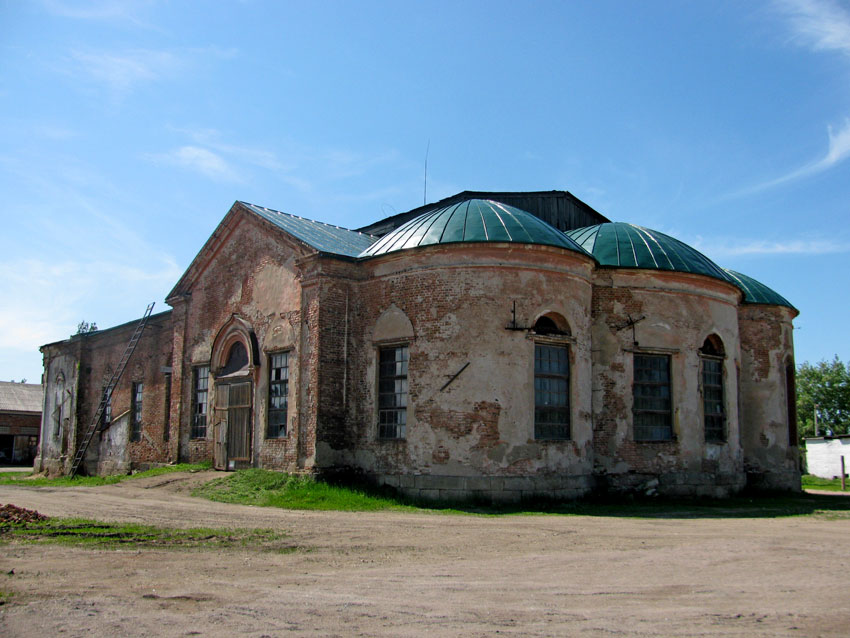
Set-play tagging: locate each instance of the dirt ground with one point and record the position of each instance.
(400, 574)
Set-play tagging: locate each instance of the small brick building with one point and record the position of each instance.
(496, 345)
(20, 421)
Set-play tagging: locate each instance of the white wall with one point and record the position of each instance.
(823, 456)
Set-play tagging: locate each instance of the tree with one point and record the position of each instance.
(826, 385)
(84, 327)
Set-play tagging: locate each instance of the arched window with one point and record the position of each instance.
(714, 414)
(237, 359)
(551, 324)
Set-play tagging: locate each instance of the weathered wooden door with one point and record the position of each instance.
(233, 425)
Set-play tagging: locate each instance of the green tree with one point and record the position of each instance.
(826, 385)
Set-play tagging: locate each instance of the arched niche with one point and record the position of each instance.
(552, 323)
(235, 348)
(393, 325)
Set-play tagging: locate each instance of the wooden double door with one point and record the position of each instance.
(233, 425)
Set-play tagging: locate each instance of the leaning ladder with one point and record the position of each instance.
(107, 393)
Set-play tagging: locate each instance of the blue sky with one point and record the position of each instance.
(127, 130)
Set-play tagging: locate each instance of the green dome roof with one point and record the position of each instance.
(628, 246)
(472, 220)
(756, 292)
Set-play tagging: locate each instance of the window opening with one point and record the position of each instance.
(652, 406)
(200, 395)
(392, 392)
(278, 394)
(712, 399)
(791, 399)
(166, 429)
(106, 419)
(237, 359)
(551, 392)
(136, 412)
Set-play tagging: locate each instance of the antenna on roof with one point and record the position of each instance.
(425, 189)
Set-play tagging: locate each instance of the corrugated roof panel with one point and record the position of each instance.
(323, 237)
(20, 397)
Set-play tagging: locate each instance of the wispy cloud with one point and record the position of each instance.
(821, 25)
(716, 248)
(198, 159)
(122, 71)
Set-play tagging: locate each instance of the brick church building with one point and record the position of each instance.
(495, 345)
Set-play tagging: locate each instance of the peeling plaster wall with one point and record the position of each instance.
(59, 415)
(476, 435)
(672, 314)
(252, 275)
(767, 347)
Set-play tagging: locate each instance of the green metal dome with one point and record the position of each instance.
(472, 220)
(628, 246)
(756, 292)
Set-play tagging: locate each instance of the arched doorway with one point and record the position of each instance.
(233, 370)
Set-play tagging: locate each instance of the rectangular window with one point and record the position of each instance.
(278, 394)
(653, 417)
(136, 412)
(551, 392)
(166, 428)
(712, 399)
(200, 390)
(392, 392)
(106, 418)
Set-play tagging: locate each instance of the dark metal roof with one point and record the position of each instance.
(473, 220)
(323, 237)
(20, 397)
(756, 292)
(560, 209)
(628, 246)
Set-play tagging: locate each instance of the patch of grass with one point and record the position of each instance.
(19, 478)
(817, 483)
(5, 596)
(78, 531)
(276, 489)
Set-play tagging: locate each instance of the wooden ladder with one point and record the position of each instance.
(107, 393)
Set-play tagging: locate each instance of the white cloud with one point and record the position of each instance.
(200, 160)
(123, 71)
(823, 25)
(722, 247)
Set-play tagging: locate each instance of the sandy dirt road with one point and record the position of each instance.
(390, 574)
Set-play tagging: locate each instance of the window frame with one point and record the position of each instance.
(396, 428)
(709, 432)
(200, 432)
(638, 414)
(282, 430)
(565, 434)
(137, 390)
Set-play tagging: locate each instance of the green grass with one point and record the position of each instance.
(816, 483)
(19, 478)
(276, 489)
(78, 531)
